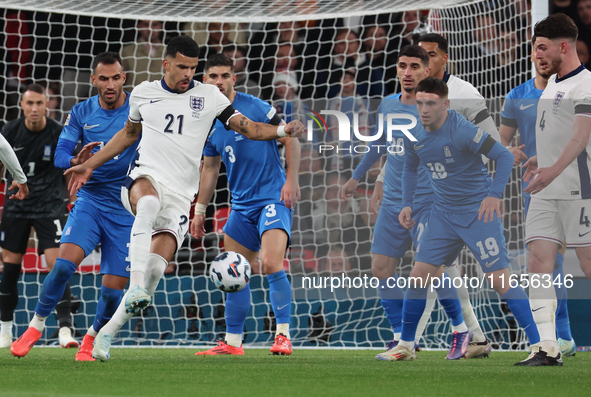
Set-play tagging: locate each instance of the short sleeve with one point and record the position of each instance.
(266, 113)
(134, 106)
(209, 149)
(471, 102)
(508, 116)
(582, 100)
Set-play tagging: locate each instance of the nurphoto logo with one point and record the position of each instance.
(394, 122)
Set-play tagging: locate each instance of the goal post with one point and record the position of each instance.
(53, 42)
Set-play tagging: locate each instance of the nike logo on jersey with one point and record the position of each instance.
(155, 100)
(87, 127)
(491, 263)
(267, 223)
(535, 310)
(128, 268)
(418, 147)
(584, 234)
(522, 107)
(16, 149)
(137, 234)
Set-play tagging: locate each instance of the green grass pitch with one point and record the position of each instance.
(177, 372)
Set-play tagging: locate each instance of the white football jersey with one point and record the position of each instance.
(464, 98)
(562, 101)
(174, 130)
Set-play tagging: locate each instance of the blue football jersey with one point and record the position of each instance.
(89, 122)
(521, 110)
(450, 157)
(395, 164)
(255, 172)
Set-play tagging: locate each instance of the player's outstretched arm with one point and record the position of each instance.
(263, 131)
(290, 192)
(207, 184)
(121, 140)
(10, 161)
(578, 143)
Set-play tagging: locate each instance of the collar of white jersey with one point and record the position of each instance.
(446, 77)
(571, 74)
(167, 88)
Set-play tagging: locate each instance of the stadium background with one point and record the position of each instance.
(53, 43)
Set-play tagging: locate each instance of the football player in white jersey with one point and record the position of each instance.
(467, 101)
(174, 116)
(561, 188)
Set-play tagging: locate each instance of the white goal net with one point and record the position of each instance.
(299, 55)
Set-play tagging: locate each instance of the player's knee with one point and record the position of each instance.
(270, 264)
(383, 266)
(148, 204)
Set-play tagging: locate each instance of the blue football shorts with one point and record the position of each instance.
(390, 238)
(446, 234)
(88, 226)
(247, 226)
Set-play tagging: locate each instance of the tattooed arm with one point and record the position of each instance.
(263, 131)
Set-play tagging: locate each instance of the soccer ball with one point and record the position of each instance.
(230, 271)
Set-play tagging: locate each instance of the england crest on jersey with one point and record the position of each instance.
(558, 98)
(197, 103)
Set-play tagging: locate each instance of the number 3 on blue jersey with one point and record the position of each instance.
(230, 151)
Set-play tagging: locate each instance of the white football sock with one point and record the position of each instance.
(409, 345)
(38, 322)
(459, 328)
(234, 340)
(283, 329)
(397, 335)
(91, 331)
(543, 306)
(141, 237)
(118, 320)
(429, 304)
(6, 327)
(155, 268)
(467, 309)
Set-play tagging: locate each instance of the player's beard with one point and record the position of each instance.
(409, 90)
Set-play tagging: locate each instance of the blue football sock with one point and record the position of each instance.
(237, 307)
(280, 291)
(106, 307)
(449, 299)
(412, 311)
(518, 303)
(392, 300)
(562, 320)
(54, 286)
